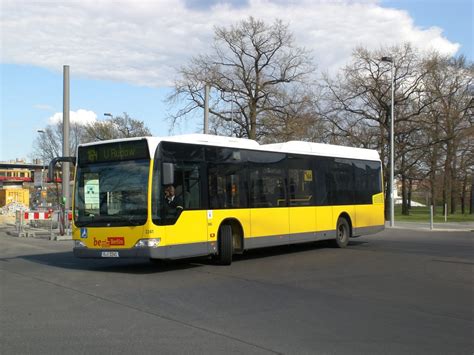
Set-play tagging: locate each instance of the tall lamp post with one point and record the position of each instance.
(392, 119)
(41, 132)
(207, 89)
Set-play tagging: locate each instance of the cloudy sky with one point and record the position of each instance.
(123, 54)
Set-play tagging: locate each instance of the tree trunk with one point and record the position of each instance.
(454, 185)
(471, 204)
(444, 199)
(463, 195)
(404, 196)
(253, 120)
(454, 200)
(410, 189)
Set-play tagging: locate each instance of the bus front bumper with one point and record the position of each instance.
(154, 253)
(161, 252)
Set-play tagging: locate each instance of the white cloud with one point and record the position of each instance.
(80, 116)
(143, 42)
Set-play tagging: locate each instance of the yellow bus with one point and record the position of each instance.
(230, 195)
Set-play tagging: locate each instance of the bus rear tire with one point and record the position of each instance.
(343, 232)
(225, 245)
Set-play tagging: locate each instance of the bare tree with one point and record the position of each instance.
(252, 68)
(358, 105)
(115, 127)
(48, 145)
(449, 84)
(299, 121)
(465, 176)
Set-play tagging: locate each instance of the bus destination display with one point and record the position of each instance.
(113, 152)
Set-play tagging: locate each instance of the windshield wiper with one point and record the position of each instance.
(82, 223)
(133, 221)
(112, 219)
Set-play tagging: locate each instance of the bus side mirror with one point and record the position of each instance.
(168, 173)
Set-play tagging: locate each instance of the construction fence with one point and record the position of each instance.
(43, 223)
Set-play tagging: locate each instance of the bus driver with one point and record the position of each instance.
(173, 203)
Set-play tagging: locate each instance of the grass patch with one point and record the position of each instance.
(422, 214)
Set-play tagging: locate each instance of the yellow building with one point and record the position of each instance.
(9, 195)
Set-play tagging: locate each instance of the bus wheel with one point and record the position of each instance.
(225, 245)
(342, 233)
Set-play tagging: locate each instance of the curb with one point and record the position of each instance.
(60, 237)
(428, 229)
(37, 234)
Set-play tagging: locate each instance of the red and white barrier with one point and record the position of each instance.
(41, 216)
(37, 216)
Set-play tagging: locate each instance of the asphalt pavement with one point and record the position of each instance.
(401, 291)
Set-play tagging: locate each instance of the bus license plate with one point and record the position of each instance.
(110, 254)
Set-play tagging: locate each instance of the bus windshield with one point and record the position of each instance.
(112, 193)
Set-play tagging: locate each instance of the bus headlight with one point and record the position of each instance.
(79, 244)
(148, 243)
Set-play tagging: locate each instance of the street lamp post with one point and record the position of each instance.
(66, 178)
(42, 131)
(392, 119)
(207, 89)
(108, 114)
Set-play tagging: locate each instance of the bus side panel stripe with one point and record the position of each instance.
(261, 242)
(186, 250)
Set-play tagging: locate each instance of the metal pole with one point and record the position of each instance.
(431, 217)
(43, 200)
(206, 108)
(42, 185)
(392, 119)
(65, 166)
(445, 212)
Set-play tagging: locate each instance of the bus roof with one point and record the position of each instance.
(322, 149)
(297, 147)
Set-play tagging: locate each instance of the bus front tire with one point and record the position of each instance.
(225, 245)
(343, 232)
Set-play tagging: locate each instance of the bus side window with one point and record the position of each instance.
(188, 184)
(267, 189)
(301, 181)
(225, 186)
